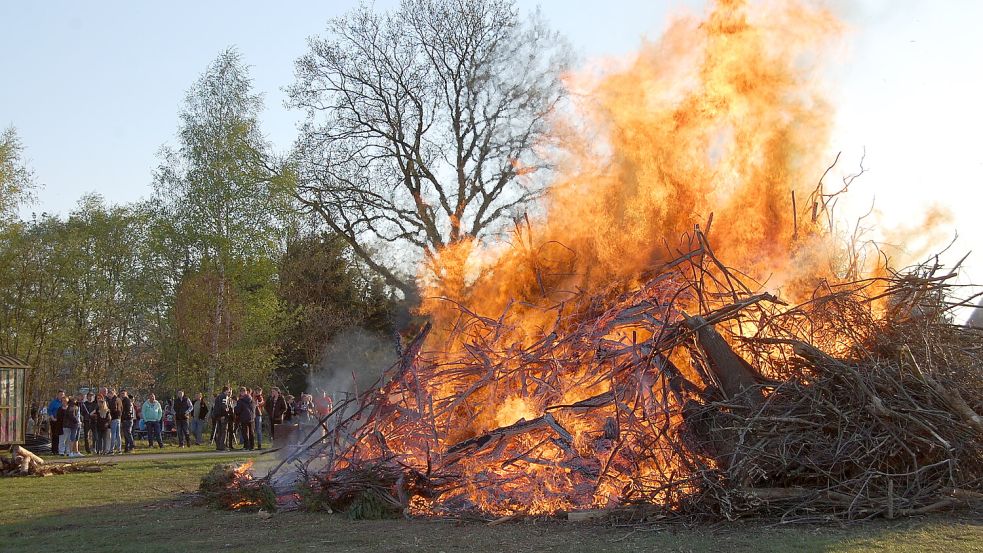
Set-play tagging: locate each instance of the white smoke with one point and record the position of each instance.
(352, 362)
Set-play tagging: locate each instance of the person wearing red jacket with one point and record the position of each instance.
(324, 404)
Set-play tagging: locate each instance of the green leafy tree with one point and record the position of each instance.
(216, 190)
(80, 296)
(17, 182)
(325, 291)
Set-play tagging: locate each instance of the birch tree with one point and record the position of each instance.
(215, 188)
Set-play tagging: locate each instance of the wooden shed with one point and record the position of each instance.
(13, 400)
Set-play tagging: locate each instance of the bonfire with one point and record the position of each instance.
(685, 333)
(232, 486)
(690, 395)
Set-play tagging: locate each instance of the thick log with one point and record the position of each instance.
(479, 442)
(733, 374)
(19, 451)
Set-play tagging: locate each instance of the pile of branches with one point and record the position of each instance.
(22, 462)
(694, 394)
(231, 486)
(888, 427)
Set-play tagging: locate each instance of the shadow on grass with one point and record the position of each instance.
(166, 526)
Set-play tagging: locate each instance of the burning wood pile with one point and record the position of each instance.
(22, 462)
(232, 487)
(595, 362)
(689, 394)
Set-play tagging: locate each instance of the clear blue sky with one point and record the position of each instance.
(94, 88)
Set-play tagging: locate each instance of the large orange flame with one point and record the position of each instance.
(720, 120)
(723, 118)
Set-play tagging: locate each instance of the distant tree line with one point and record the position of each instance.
(419, 133)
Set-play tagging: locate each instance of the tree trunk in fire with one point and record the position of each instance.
(734, 376)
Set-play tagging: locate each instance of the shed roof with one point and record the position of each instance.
(10, 362)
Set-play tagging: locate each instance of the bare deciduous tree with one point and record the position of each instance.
(419, 122)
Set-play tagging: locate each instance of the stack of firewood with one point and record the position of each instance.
(22, 462)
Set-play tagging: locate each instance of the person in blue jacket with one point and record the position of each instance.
(55, 428)
(152, 414)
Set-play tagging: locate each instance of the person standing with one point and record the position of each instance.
(199, 410)
(79, 404)
(290, 415)
(276, 409)
(100, 447)
(304, 407)
(167, 423)
(115, 406)
(44, 421)
(182, 411)
(234, 434)
(53, 427)
(103, 422)
(323, 407)
(211, 440)
(73, 426)
(221, 417)
(245, 411)
(97, 446)
(87, 408)
(127, 414)
(152, 414)
(260, 402)
(60, 422)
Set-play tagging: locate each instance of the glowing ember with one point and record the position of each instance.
(242, 475)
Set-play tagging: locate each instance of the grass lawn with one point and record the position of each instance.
(132, 507)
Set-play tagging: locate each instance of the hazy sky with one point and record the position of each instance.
(94, 88)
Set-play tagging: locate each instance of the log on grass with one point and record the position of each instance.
(19, 451)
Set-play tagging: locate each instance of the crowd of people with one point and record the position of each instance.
(108, 423)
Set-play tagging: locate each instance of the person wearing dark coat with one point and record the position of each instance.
(103, 422)
(126, 418)
(222, 418)
(182, 412)
(115, 406)
(60, 423)
(276, 410)
(245, 412)
(53, 425)
(88, 409)
(199, 415)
